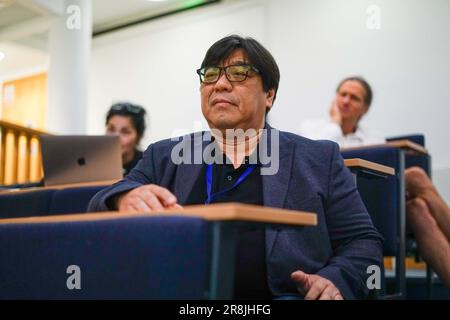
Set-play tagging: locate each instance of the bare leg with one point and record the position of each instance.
(432, 244)
(418, 185)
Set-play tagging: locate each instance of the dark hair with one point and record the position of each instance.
(368, 96)
(257, 55)
(135, 112)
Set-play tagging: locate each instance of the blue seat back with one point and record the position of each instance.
(72, 200)
(125, 258)
(30, 203)
(421, 161)
(25, 204)
(380, 195)
(416, 138)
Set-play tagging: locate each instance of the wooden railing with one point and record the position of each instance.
(20, 155)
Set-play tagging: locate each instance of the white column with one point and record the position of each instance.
(70, 49)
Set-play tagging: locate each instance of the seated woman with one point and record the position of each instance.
(128, 122)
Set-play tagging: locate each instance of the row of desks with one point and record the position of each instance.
(225, 216)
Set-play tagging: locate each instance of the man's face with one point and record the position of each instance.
(350, 101)
(232, 105)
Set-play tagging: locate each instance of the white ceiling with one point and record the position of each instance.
(24, 24)
(108, 13)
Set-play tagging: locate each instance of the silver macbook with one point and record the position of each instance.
(71, 159)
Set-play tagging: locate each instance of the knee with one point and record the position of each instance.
(418, 215)
(415, 173)
(417, 181)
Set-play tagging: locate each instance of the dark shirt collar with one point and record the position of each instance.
(251, 159)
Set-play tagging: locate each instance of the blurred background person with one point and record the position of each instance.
(351, 102)
(127, 120)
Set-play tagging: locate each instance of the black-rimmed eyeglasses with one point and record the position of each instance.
(235, 73)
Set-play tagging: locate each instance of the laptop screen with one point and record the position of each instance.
(72, 159)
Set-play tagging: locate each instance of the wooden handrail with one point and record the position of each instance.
(20, 160)
(22, 129)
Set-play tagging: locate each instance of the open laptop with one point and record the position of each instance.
(72, 159)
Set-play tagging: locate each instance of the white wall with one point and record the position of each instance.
(316, 43)
(155, 64)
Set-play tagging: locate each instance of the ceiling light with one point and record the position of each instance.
(2, 56)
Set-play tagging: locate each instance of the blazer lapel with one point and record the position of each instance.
(188, 173)
(275, 186)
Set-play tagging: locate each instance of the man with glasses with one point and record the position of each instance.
(238, 84)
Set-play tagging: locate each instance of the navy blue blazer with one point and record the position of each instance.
(311, 177)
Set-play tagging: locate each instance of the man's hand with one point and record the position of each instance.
(147, 198)
(335, 114)
(314, 287)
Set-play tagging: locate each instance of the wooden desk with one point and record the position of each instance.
(407, 145)
(361, 167)
(59, 187)
(227, 221)
(213, 212)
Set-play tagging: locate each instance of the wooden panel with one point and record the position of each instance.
(25, 101)
(3, 133)
(24, 107)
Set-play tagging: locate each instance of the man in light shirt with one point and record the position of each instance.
(351, 103)
(428, 215)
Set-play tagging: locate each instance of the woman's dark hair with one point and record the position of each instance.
(135, 112)
(257, 55)
(365, 85)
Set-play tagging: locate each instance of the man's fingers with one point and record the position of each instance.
(129, 207)
(164, 195)
(338, 296)
(151, 201)
(301, 279)
(146, 199)
(138, 206)
(317, 287)
(330, 293)
(175, 206)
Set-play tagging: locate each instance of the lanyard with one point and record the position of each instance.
(209, 168)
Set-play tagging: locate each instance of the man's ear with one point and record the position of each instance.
(270, 95)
